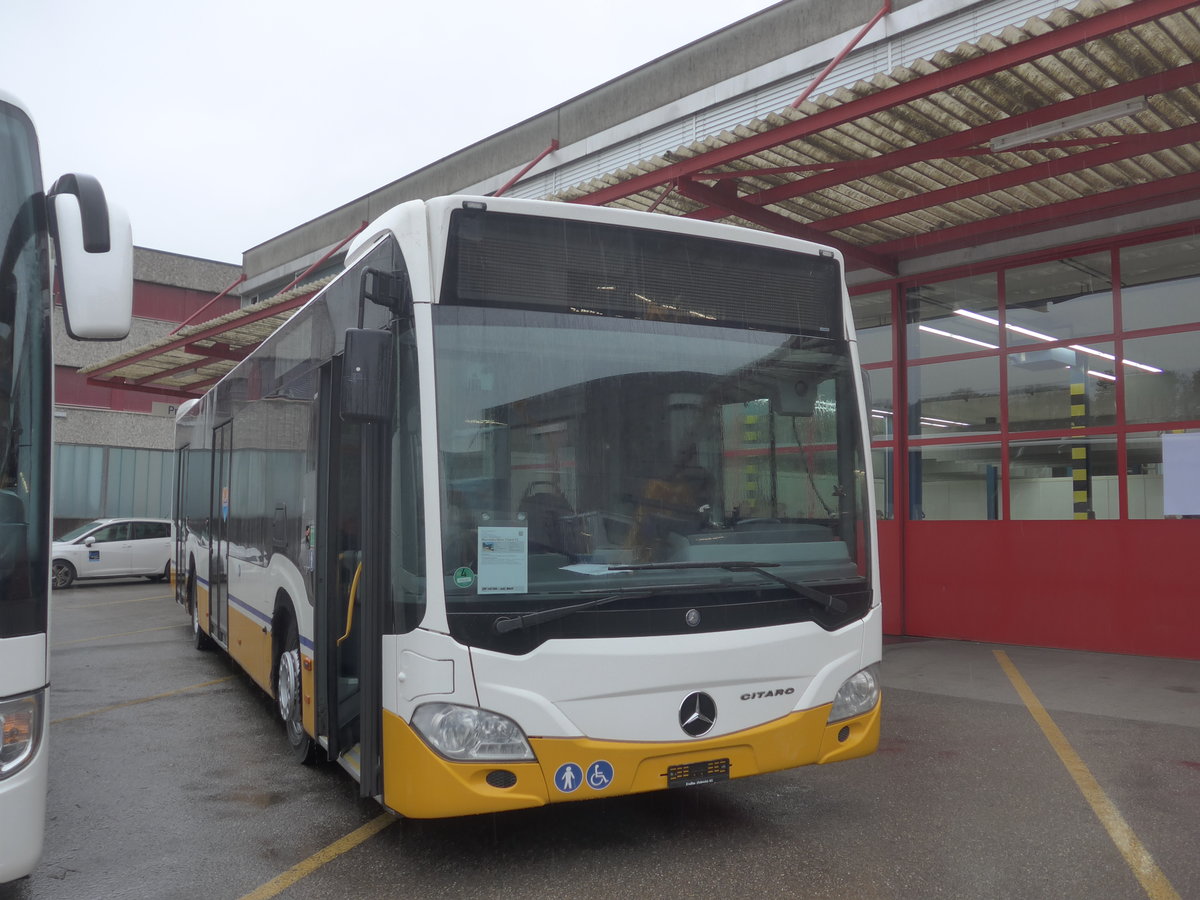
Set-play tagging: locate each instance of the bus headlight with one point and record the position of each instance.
(857, 695)
(21, 726)
(467, 733)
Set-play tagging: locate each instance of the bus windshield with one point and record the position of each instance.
(579, 453)
(24, 383)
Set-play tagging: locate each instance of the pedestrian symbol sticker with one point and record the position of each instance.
(599, 775)
(568, 777)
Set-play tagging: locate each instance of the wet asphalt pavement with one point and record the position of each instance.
(170, 779)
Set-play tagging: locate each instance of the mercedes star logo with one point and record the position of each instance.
(697, 714)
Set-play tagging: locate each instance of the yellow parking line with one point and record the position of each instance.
(306, 867)
(103, 709)
(101, 637)
(1153, 881)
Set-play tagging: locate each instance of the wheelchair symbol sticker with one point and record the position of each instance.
(600, 775)
(568, 777)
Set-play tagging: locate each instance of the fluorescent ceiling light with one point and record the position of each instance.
(1143, 366)
(959, 337)
(979, 317)
(943, 423)
(1029, 332)
(1094, 352)
(1103, 375)
(1070, 123)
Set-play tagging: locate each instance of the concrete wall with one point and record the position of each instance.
(174, 270)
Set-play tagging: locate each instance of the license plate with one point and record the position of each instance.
(692, 774)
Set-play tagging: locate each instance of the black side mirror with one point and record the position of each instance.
(368, 376)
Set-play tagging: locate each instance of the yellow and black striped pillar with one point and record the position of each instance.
(1081, 469)
(751, 434)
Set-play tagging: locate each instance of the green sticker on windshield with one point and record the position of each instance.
(463, 577)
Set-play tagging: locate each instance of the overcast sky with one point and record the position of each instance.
(221, 123)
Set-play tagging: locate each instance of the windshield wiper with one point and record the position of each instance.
(831, 603)
(505, 624)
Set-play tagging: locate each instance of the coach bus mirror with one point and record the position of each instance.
(367, 376)
(94, 246)
(387, 289)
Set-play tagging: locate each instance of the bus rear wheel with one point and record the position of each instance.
(289, 690)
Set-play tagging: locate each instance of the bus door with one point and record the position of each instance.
(348, 633)
(218, 548)
(177, 552)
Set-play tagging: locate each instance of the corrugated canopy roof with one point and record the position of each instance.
(967, 146)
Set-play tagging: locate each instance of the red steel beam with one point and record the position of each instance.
(206, 335)
(197, 313)
(533, 162)
(783, 225)
(1147, 143)
(158, 392)
(959, 143)
(223, 352)
(167, 373)
(1121, 200)
(320, 262)
(1100, 26)
(833, 63)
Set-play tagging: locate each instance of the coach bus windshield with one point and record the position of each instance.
(587, 455)
(24, 383)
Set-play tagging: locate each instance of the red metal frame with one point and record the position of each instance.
(537, 159)
(833, 63)
(198, 313)
(733, 205)
(187, 343)
(1121, 19)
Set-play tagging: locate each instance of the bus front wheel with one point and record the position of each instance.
(289, 690)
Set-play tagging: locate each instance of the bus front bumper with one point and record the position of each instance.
(420, 784)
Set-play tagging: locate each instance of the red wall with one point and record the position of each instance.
(1122, 587)
(891, 573)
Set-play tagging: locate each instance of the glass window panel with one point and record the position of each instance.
(883, 406)
(1045, 387)
(1169, 395)
(957, 397)
(1064, 479)
(883, 465)
(1059, 299)
(955, 482)
(951, 317)
(873, 326)
(1160, 286)
(1144, 460)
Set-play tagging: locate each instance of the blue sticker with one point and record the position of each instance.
(568, 777)
(600, 775)
(93, 555)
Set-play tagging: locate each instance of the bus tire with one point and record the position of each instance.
(200, 640)
(289, 691)
(62, 574)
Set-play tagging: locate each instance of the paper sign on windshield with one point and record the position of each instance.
(503, 560)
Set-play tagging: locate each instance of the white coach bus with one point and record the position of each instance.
(540, 502)
(93, 250)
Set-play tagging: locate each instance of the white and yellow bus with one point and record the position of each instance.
(539, 502)
(93, 254)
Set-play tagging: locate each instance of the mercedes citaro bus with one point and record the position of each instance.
(540, 502)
